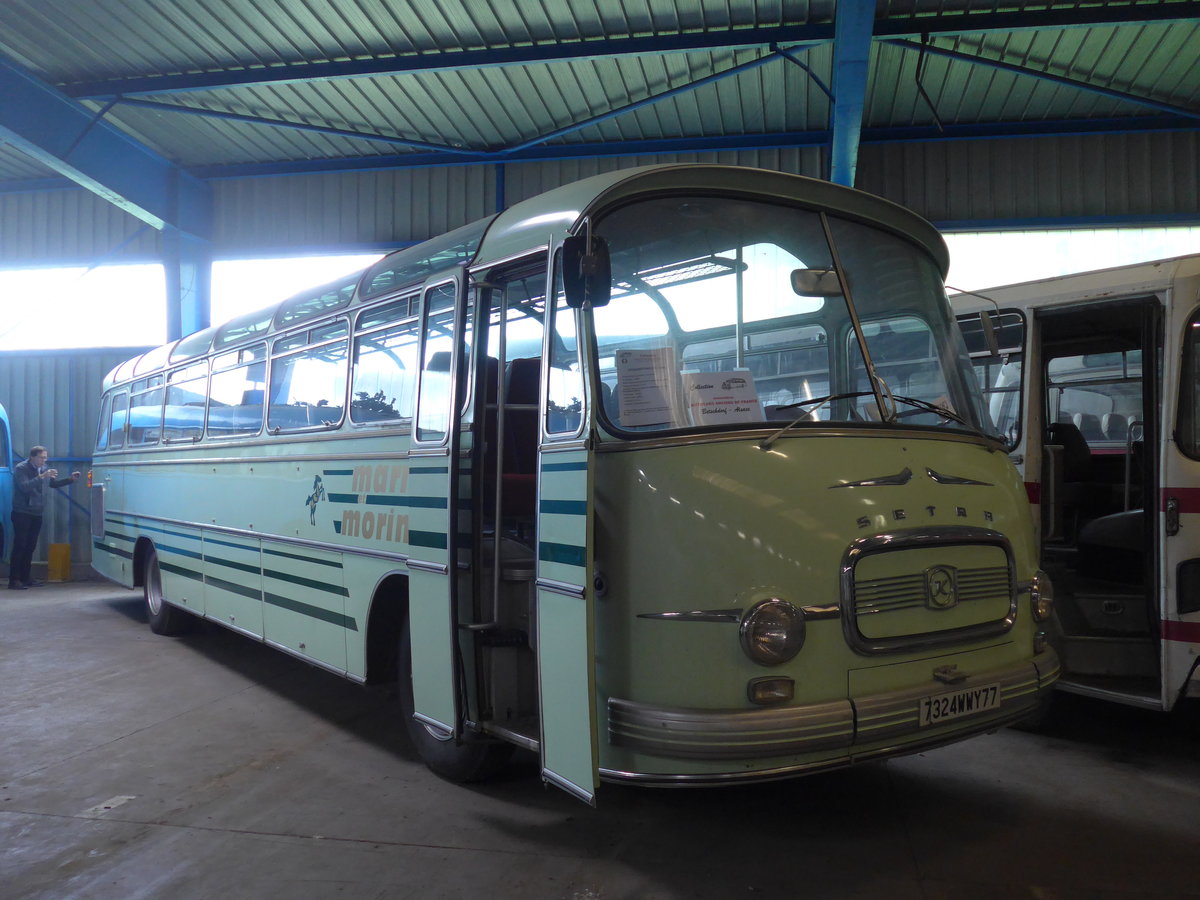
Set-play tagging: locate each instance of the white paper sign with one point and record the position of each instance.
(716, 397)
(646, 386)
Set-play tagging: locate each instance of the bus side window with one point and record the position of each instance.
(564, 408)
(235, 403)
(308, 387)
(145, 412)
(385, 367)
(183, 416)
(102, 426)
(116, 424)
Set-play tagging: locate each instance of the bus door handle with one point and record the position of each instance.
(1172, 517)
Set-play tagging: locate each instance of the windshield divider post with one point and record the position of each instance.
(872, 377)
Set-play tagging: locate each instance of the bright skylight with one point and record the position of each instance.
(124, 306)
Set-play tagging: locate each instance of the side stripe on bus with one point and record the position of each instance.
(97, 544)
(567, 554)
(580, 466)
(564, 507)
(306, 609)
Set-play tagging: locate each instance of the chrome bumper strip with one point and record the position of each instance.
(859, 724)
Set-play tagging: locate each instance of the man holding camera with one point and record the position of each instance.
(29, 504)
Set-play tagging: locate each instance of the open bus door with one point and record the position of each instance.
(1179, 506)
(6, 486)
(565, 580)
(433, 479)
(1102, 534)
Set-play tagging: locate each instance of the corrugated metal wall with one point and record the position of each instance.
(1072, 177)
(53, 399)
(70, 227)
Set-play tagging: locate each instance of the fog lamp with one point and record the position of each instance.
(1041, 596)
(765, 691)
(772, 632)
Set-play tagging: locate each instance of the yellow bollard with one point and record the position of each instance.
(58, 562)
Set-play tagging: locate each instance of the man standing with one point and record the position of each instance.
(29, 503)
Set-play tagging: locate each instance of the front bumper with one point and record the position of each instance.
(873, 726)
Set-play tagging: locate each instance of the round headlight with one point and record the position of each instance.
(772, 632)
(1041, 595)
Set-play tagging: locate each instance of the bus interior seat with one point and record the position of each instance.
(1115, 427)
(1112, 547)
(1068, 475)
(1089, 426)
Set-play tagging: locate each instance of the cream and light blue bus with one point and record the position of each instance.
(677, 475)
(1094, 379)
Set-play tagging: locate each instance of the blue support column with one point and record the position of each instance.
(852, 29)
(187, 265)
(65, 136)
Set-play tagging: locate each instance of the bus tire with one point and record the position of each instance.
(470, 759)
(163, 617)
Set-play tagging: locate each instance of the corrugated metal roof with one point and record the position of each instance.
(227, 89)
(427, 80)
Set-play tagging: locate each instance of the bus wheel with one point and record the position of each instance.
(470, 759)
(163, 617)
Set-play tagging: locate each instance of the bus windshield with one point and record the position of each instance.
(707, 327)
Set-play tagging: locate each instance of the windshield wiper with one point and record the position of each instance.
(926, 406)
(765, 443)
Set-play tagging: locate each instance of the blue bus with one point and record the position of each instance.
(6, 488)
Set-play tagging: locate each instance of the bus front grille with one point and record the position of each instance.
(922, 589)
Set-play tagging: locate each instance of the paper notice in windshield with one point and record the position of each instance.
(646, 386)
(714, 398)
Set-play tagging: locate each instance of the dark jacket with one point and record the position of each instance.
(29, 491)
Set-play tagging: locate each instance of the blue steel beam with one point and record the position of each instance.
(1088, 87)
(851, 56)
(712, 39)
(65, 137)
(908, 134)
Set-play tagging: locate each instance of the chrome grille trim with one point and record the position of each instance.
(908, 591)
(879, 595)
(856, 725)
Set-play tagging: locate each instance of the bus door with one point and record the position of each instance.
(433, 479)
(565, 566)
(1180, 505)
(1101, 535)
(508, 368)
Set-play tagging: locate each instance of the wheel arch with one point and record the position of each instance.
(389, 609)
(141, 550)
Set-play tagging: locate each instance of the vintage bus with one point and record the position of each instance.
(676, 475)
(1094, 379)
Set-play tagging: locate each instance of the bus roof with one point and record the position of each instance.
(528, 226)
(532, 223)
(1117, 281)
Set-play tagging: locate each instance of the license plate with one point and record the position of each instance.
(968, 701)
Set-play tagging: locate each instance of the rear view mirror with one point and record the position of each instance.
(587, 271)
(816, 282)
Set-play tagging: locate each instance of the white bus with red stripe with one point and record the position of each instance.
(1095, 381)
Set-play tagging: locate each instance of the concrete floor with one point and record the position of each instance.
(212, 767)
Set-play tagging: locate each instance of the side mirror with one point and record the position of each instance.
(587, 271)
(816, 282)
